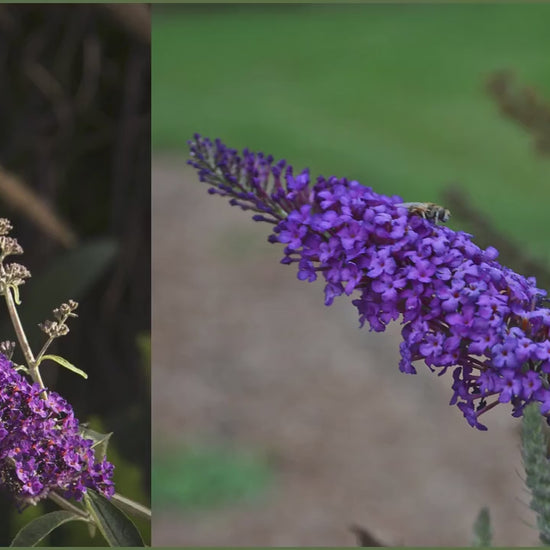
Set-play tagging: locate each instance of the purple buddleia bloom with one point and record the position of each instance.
(460, 309)
(41, 449)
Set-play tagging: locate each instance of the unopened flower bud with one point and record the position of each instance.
(65, 310)
(7, 348)
(9, 246)
(14, 274)
(5, 226)
(54, 329)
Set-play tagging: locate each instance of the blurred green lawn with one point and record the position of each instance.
(393, 95)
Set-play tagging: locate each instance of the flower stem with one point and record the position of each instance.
(44, 348)
(22, 337)
(65, 504)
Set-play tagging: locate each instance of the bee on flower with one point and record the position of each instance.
(428, 210)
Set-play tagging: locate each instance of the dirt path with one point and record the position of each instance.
(244, 352)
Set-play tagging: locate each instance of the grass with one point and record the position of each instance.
(207, 477)
(393, 95)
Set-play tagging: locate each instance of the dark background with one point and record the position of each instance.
(75, 182)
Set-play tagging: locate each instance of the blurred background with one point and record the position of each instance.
(74, 181)
(276, 421)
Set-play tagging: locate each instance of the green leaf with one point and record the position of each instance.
(101, 441)
(482, 530)
(114, 525)
(534, 449)
(64, 363)
(16, 298)
(39, 528)
(132, 507)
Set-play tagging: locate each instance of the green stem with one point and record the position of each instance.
(50, 339)
(65, 504)
(44, 349)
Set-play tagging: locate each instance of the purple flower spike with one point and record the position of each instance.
(41, 449)
(459, 307)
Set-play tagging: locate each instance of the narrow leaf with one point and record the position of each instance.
(41, 527)
(64, 363)
(114, 525)
(16, 297)
(534, 450)
(131, 507)
(482, 530)
(101, 441)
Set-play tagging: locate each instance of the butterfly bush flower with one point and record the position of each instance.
(460, 309)
(41, 449)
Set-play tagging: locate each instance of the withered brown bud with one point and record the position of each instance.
(65, 310)
(7, 348)
(54, 329)
(9, 246)
(14, 274)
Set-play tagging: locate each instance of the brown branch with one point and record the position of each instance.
(135, 18)
(364, 537)
(22, 198)
(523, 106)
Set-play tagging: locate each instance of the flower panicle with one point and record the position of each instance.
(41, 448)
(459, 307)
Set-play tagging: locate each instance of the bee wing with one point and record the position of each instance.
(410, 204)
